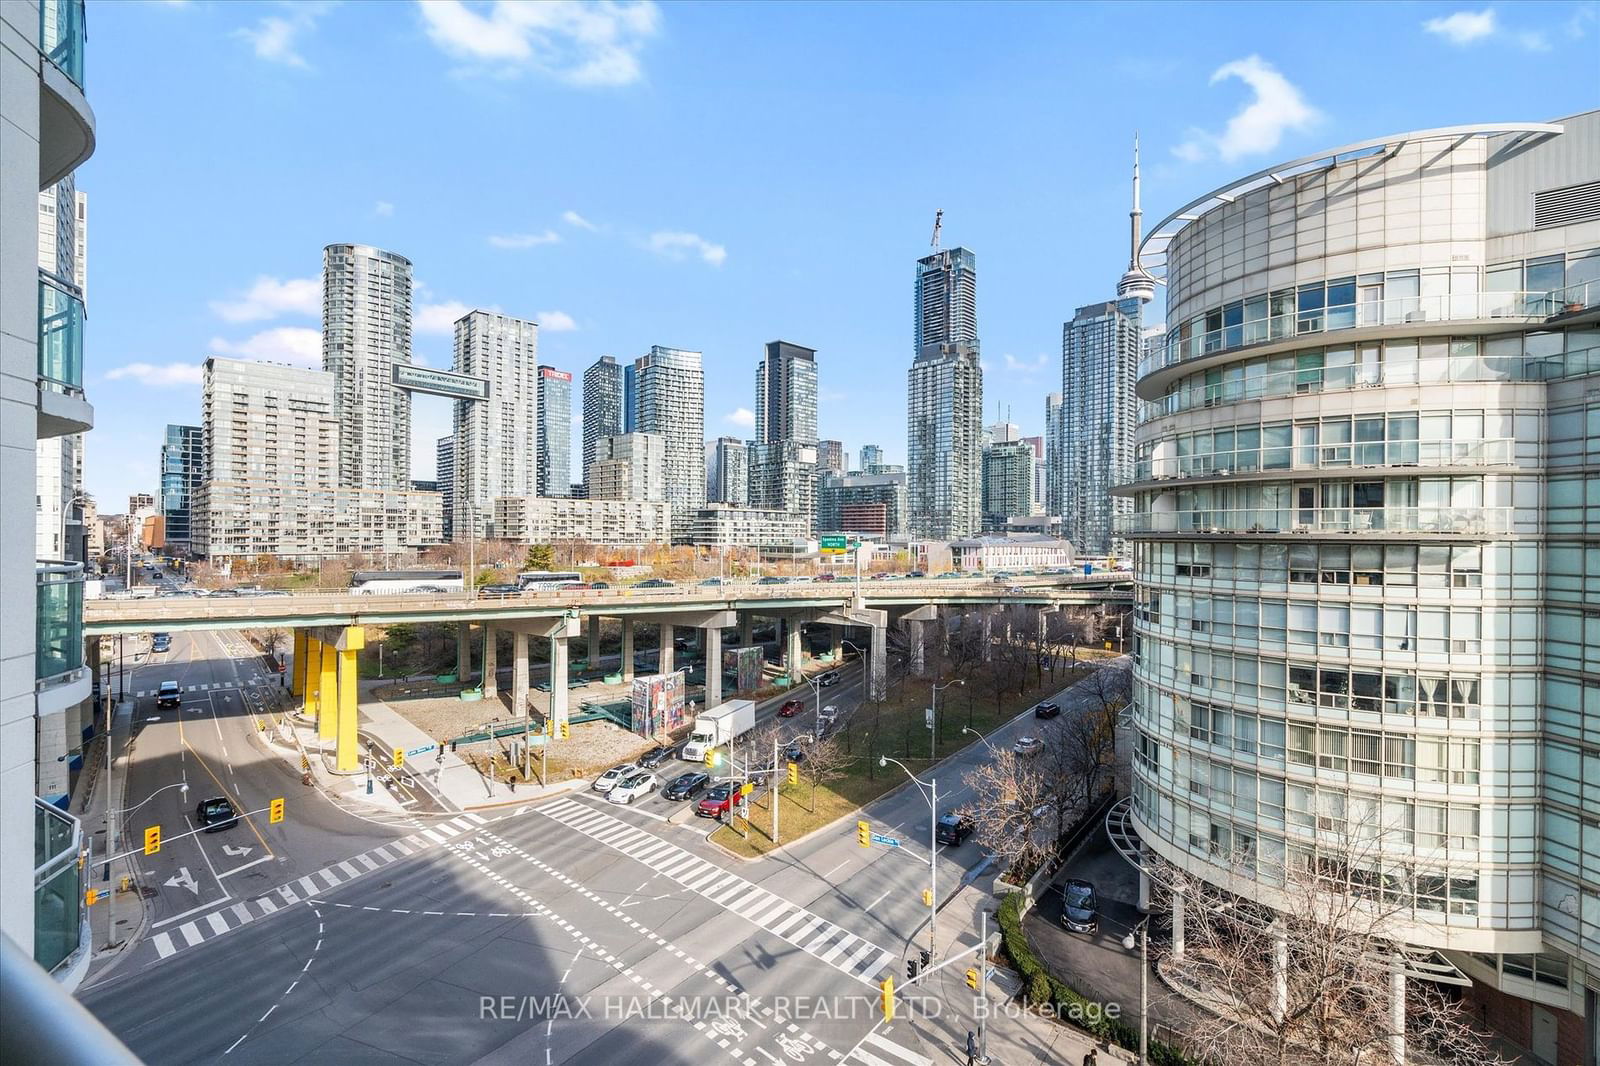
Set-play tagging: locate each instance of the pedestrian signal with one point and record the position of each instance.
(152, 840)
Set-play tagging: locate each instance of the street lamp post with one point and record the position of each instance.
(1144, 986)
(931, 794)
(866, 663)
(66, 509)
(111, 828)
(933, 712)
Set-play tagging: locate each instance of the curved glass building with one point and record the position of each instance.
(1366, 539)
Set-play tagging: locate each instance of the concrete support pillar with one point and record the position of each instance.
(664, 660)
(348, 727)
(713, 644)
(463, 651)
(700, 642)
(1280, 975)
(986, 632)
(837, 646)
(592, 652)
(747, 628)
(916, 632)
(491, 664)
(519, 673)
(328, 694)
(1177, 924)
(558, 679)
(1397, 1009)
(1144, 892)
(297, 679)
(313, 679)
(792, 653)
(877, 666)
(627, 649)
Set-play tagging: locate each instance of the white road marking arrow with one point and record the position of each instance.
(237, 853)
(184, 879)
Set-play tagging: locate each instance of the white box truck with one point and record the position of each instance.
(719, 725)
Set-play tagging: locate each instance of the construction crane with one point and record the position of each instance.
(938, 223)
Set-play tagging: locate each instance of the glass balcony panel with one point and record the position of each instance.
(57, 885)
(62, 35)
(1456, 520)
(60, 335)
(58, 626)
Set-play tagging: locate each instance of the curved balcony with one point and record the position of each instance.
(1367, 457)
(1471, 522)
(66, 122)
(62, 408)
(1477, 313)
(58, 924)
(58, 622)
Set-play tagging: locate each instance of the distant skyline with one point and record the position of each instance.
(667, 179)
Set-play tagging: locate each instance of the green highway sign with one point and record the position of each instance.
(832, 544)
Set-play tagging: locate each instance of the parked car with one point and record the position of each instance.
(917, 573)
(770, 580)
(790, 708)
(953, 829)
(608, 780)
(655, 583)
(879, 577)
(215, 815)
(713, 582)
(634, 786)
(1047, 710)
(1080, 907)
(830, 576)
(1028, 746)
(655, 757)
(828, 679)
(574, 586)
(719, 800)
(598, 585)
(499, 591)
(686, 786)
(161, 642)
(169, 694)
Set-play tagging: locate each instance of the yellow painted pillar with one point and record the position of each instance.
(297, 682)
(313, 675)
(349, 724)
(328, 694)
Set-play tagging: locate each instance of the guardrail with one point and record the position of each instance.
(1458, 520)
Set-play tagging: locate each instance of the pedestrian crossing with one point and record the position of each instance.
(816, 936)
(227, 918)
(210, 687)
(876, 1049)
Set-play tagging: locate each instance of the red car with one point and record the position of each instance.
(719, 800)
(790, 708)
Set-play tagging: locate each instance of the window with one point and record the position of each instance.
(1366, 753)
(1302, 745)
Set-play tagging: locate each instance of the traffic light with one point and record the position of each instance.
(399, 758)
(911, 970)
(794, 774)
(713, 758)
(927, 897)
(275, 810)
(152, 839)
(972, 979)
(926, 958)
(566, 730)
(864, 834)
(888, 998)
(91, 897)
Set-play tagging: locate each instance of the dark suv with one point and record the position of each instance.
(1080, 908)
(1047, 710)
(215, 815)
(169, 694)
(953, 829)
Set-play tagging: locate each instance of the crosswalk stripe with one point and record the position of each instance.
(798, 916)
(757, 900)
(242, 912)
(190, 933)
(308, 886)
(798, 935)
(882, 1043)
(349, 869)
(217, 922)
(837, 949)
(437, 838)
(383, 853)
(856, 957)
(163, 943)
(448, 830)
(764, 916)
(288, 894)
(875, 965)
(266, 905)
(828, 932)
(364, 861)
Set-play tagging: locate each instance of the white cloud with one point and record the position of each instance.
(441, 317)
(677, 245)
(741, 416)
(284, 344)
(383, 209)
(167, 376)
(576, 41)
(1463, 27)
(555, 321)
(276, 38)
(572, 218)
(1276, 107)
(269, 298)
(1026, 367)
(524, 240)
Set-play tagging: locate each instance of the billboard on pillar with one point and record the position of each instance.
(657, 704)
(746, 665)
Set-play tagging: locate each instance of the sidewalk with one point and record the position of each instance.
(1015, 1037)
(109, 943)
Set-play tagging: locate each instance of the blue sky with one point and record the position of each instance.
(711, 176)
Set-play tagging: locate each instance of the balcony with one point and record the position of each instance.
(1398, 316)
(1363, 456)
(1471, 522)
(57, 885)
(66, 122)
(58, 624)
(62, 408)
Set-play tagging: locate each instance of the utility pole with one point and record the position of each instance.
(983, 985)
(774, 790)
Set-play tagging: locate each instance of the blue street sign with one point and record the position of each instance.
(888, 842)
(421, 751)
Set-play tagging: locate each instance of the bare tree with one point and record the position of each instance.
(826, 761)
(1010, 795)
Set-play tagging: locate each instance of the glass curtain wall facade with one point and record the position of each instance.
(944, 400)
(496, 440)
(1367, 510)
(786, 394)
(1007, 483)
(366, 330)
(1099, 356)
(555, 432)
(671, 400)
(182, 472)
(602, 406)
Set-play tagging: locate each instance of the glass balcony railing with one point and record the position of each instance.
(1407, 453)
(60, 334)
(1458, 520)
(57, 885)
(1397, 311)
(58, 619)
(62, 33)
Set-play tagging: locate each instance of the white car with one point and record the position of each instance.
(608, 780)
(1028, 746)
(635, 786)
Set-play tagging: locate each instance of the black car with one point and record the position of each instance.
(215, 815)
(1047, 710)
(655, 757)
(1080, 908)
(953, 829)
(686, 786)
(500, 591)
(169, 694)
(654, 583)
(599, 584)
